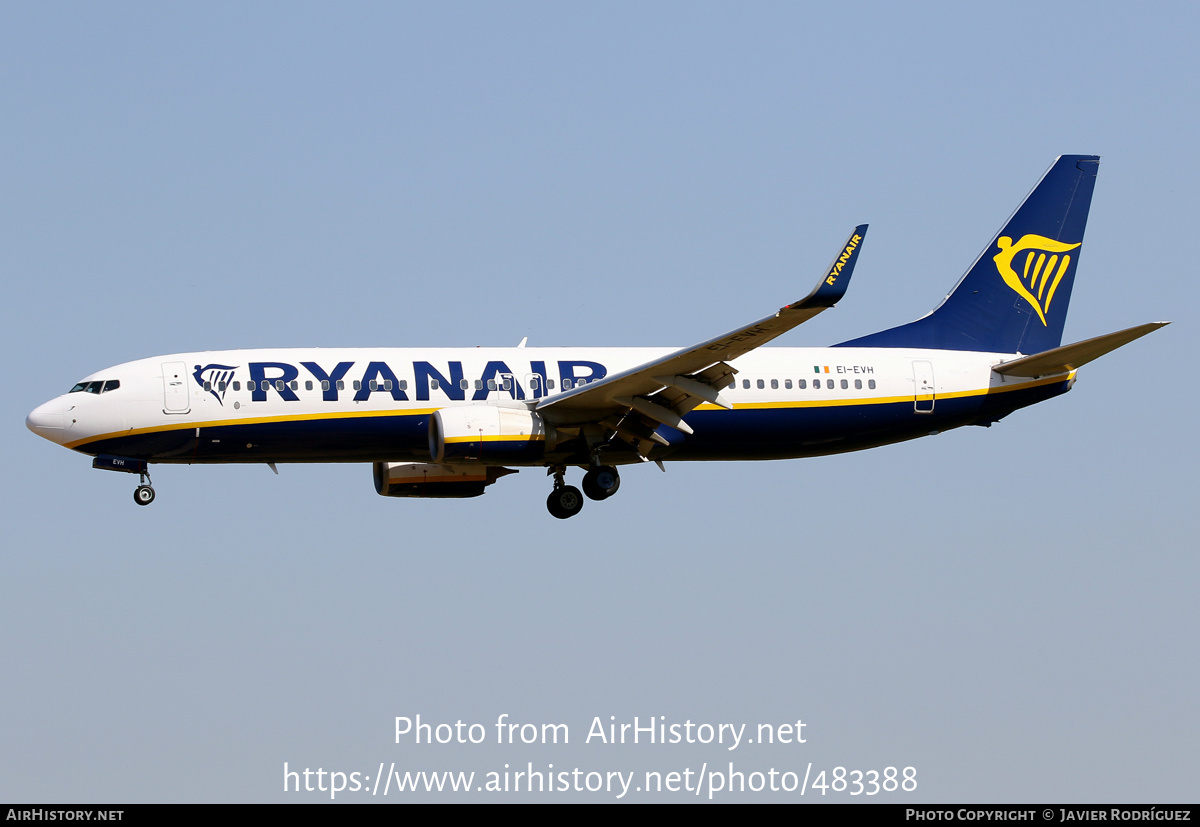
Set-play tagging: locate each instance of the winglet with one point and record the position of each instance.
(837, 276)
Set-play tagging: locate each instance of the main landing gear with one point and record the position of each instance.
(599, 483)
(564, 501)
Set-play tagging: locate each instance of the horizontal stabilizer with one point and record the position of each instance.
(1069, 357)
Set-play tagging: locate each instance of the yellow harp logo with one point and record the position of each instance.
(1042, 268)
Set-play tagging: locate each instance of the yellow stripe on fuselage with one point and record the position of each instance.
(496, 438)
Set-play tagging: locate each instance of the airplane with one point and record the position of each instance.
(449, 422)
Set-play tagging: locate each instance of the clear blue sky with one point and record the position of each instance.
(1011, 611)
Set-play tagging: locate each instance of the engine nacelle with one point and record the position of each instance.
(490, 434)
(422, 479)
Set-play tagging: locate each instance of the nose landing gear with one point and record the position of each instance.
(144, 493)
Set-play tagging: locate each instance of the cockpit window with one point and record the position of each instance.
(98, 386)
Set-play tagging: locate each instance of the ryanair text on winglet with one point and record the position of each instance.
(842, 259)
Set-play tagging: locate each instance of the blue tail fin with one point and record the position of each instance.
(1014, 298)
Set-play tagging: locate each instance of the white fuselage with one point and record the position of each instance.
(371, 404)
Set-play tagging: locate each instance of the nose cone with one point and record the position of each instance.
(49, 420)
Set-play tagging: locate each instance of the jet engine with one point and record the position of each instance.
(488, 433)
(422, 479)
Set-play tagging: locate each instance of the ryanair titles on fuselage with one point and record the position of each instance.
(379, 377)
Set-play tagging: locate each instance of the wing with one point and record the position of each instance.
(634, 402)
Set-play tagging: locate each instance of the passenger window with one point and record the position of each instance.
(207, 386)
(237, 386)
(802, 384)
(787, 383)
(507, 384)
(491, 384)
(829, 384)
(746, 384)
(308, 384)
(374, 385)
(295, 385)
(760, 384)
(279, 385)
(533, 383)
(387, 384)
(478, 384)
(358, 384)
(220, 387)
(774, 384)
(341, 385)
(325, 384)
(550, 384)
(464, 383)
(434, 384)
(871, 384)
(845, 384)
(858, 384)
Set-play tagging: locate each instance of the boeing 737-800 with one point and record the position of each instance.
(450, 422)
